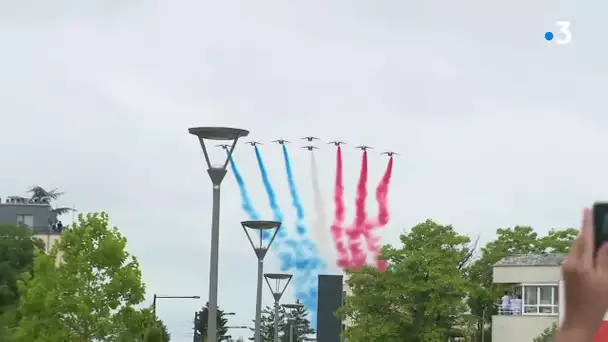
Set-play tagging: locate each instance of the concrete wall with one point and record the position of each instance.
(41, 213)
(526, 274)
(519, 328)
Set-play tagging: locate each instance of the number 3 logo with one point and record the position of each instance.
(564, 29)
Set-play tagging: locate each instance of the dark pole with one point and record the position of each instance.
(154, 307)
(217, 175)
(276, 321)
(258, 303)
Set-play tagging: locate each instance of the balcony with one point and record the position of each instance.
(535, 308)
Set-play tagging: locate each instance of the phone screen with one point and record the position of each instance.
(600, 223)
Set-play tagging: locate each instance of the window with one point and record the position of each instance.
(540, 300)
(27, 220)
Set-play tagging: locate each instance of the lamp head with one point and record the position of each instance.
(218, 133)
(221, 134)
(277, 282)
(261, 230)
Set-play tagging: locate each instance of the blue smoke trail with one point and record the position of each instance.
(295, 196)
(272, 196)
(309, 266)
(285, 258)
(247, 204)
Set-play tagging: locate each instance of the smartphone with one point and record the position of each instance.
(600, 223)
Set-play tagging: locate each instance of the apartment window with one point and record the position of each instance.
(24, 219)
(540, 299)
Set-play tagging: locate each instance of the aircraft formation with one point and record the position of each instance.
(311, 147)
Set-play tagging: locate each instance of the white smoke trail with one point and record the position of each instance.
(320, 227)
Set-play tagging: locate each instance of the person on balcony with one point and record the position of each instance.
(505, 305)
(516, 305)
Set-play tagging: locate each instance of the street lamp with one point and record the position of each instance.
(168, 297)
(293, 308)
(217, 175)
(481, 321)
(277, 292)
(260, 249)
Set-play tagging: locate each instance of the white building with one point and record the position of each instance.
(538, 280)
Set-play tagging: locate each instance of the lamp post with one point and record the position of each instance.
(293, 308)
(277, 292)
(168, 297)
(481, 321)
(259, 228)
(216, 173)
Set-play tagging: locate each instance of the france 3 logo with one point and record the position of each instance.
(563, 35)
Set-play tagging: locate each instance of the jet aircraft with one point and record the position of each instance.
(390, 153)
(309, 139)
(253, 143)
(310, 147)
(336, 143)
(281, 141)
(364, 147)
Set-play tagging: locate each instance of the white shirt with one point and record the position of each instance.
(506, 300)
(506, 303)
(516, 305)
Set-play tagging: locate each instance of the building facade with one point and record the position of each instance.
(537, 280)
(330, 298)
(34, 214)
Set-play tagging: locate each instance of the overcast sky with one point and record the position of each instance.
(496, 127)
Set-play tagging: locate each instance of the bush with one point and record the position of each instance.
(548, 335)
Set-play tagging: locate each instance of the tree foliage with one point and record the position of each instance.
(157, 332)
(202, 318)
(38, 193)
(420, 297)
(548, 335)
(85, 289)
(298, 318)
(267, 326)
(435, 287)
(17, 249)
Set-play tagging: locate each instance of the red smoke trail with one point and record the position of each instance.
(337, 228)
(359, 226)
(383, 215)
(382, 194)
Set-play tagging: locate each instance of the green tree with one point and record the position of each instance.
(157, 332)
(267, 328)
(517, 240)
(548, 335)
(420, 297)
(17, 250)
(38, 193)
(297, 318)
(201, 319)
(85, 289)
(140, 325)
